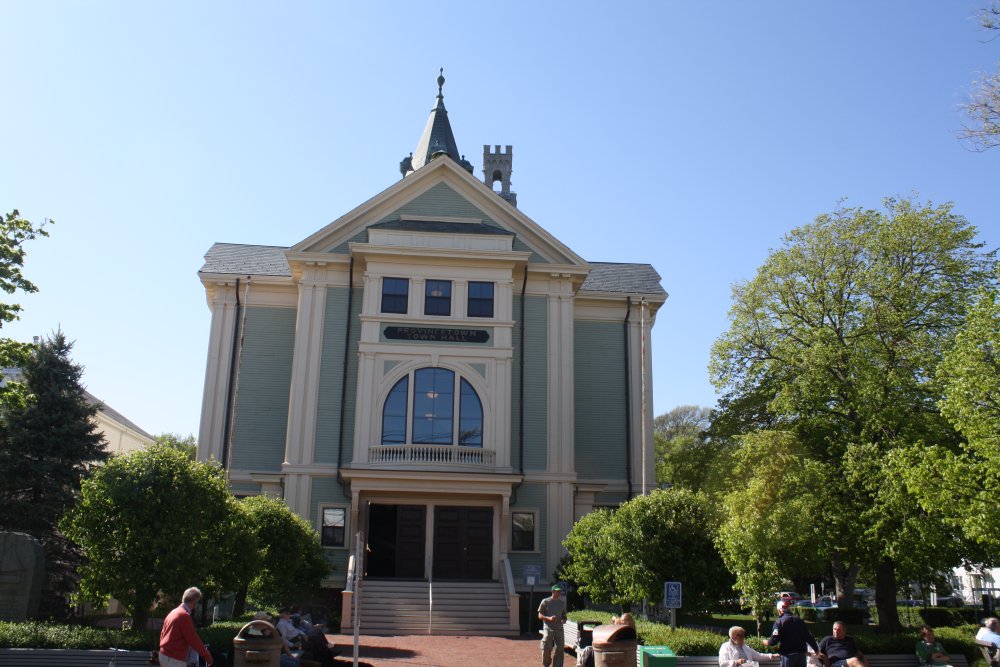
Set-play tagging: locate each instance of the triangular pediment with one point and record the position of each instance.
(441, 189)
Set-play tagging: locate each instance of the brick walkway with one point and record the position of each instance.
(442, 651)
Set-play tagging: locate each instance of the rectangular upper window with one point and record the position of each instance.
(480, 299)
(437, 297)
(395, 293)
(334, 520)
(522, 531)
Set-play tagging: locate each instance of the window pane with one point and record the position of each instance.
(470, 424)
(394, 414)
(523, 531)
(433, 406)
(332, 534)
(437, 297)
(395, 292)
(480, 299)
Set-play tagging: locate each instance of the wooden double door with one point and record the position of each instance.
(462, 548)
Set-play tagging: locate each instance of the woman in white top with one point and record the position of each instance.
(735, 652)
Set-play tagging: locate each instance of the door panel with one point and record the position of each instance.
(463, 543)
(396, 537)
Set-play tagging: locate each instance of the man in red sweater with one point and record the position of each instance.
(178, 634)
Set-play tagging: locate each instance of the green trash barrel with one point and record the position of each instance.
(658, 656)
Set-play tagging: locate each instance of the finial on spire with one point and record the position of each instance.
(441, 84)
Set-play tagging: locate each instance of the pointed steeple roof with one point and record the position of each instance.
(437, 137)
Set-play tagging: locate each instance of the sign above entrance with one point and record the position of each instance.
(437, 335)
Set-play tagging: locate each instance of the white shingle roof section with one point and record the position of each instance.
(622, 278)
(261, 260)
(237, 258)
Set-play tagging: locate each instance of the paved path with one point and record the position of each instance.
(442, 651)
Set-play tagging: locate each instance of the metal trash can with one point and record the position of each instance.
(657, 656)
(615, 646)
(257, 644)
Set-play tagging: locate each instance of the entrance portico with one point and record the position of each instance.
(431, 526)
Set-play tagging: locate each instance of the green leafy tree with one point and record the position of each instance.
(589, 565)
(49, 443)
(838, 338)
(149, 521)
(288, 560)
(15, 231)
(776, 524)
(625, 556)
(186, 444)
(685, 454)
(965, 484)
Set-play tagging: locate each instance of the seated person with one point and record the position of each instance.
(990, 632)
(624, 619)
(291, 634)
(929, 651)
(839, 650)
(735, 652)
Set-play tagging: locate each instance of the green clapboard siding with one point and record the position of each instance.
(531, 497)
(332, 374)
(344, 248)
(599, 406)
(264, 382)
(535, 384)
(444, 201)
(326, 491)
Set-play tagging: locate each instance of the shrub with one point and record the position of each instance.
(946, 617)
(32, 634)
(851, 616)
(805, 613)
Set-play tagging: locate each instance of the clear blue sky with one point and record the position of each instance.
(690, 135)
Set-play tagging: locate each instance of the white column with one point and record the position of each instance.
(302, 401)
(220, 348)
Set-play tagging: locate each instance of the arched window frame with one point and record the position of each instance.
(462, 375)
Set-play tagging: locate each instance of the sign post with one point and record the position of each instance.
(531, 574)
(672, 599)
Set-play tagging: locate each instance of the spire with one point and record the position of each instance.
(437, 138)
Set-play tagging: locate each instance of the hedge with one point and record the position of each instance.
(956, 640)
(33, 634)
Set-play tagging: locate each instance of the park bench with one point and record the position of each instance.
(28, 657)
(990, 653)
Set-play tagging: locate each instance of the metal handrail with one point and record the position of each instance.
(508, 580)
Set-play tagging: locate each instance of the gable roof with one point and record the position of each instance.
(240, 259)
(467, 186)
(442, 227)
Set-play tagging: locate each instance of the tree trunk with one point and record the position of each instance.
(885, 597)
(240, 603)
(141, 616)
(844, 577)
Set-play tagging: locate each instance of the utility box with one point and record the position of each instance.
(257, 644)
(615, 646)
(657, 656)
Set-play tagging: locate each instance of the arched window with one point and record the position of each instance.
(426, 415)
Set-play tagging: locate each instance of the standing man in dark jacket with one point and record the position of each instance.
(791, 636)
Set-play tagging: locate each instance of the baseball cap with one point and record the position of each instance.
(557, 587)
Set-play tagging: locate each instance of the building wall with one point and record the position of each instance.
(600, 405)
(535, 383)
(532, 497)
(264, 382)
(328, 415)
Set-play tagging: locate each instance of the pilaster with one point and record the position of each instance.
(301, 434)
(220, 349)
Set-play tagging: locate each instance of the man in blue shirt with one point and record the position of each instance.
(791, 636)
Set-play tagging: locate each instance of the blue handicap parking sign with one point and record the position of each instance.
(672, 594)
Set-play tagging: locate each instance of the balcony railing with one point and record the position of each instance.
(432, 454)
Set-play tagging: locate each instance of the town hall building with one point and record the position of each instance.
(437, 375)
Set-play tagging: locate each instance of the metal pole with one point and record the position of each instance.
(642, 376)
(359, 566)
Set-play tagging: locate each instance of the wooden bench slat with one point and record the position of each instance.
(28, 657)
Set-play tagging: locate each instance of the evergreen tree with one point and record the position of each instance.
(48, 442)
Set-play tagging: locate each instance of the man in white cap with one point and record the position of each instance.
(792, 637)
(552, 612)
